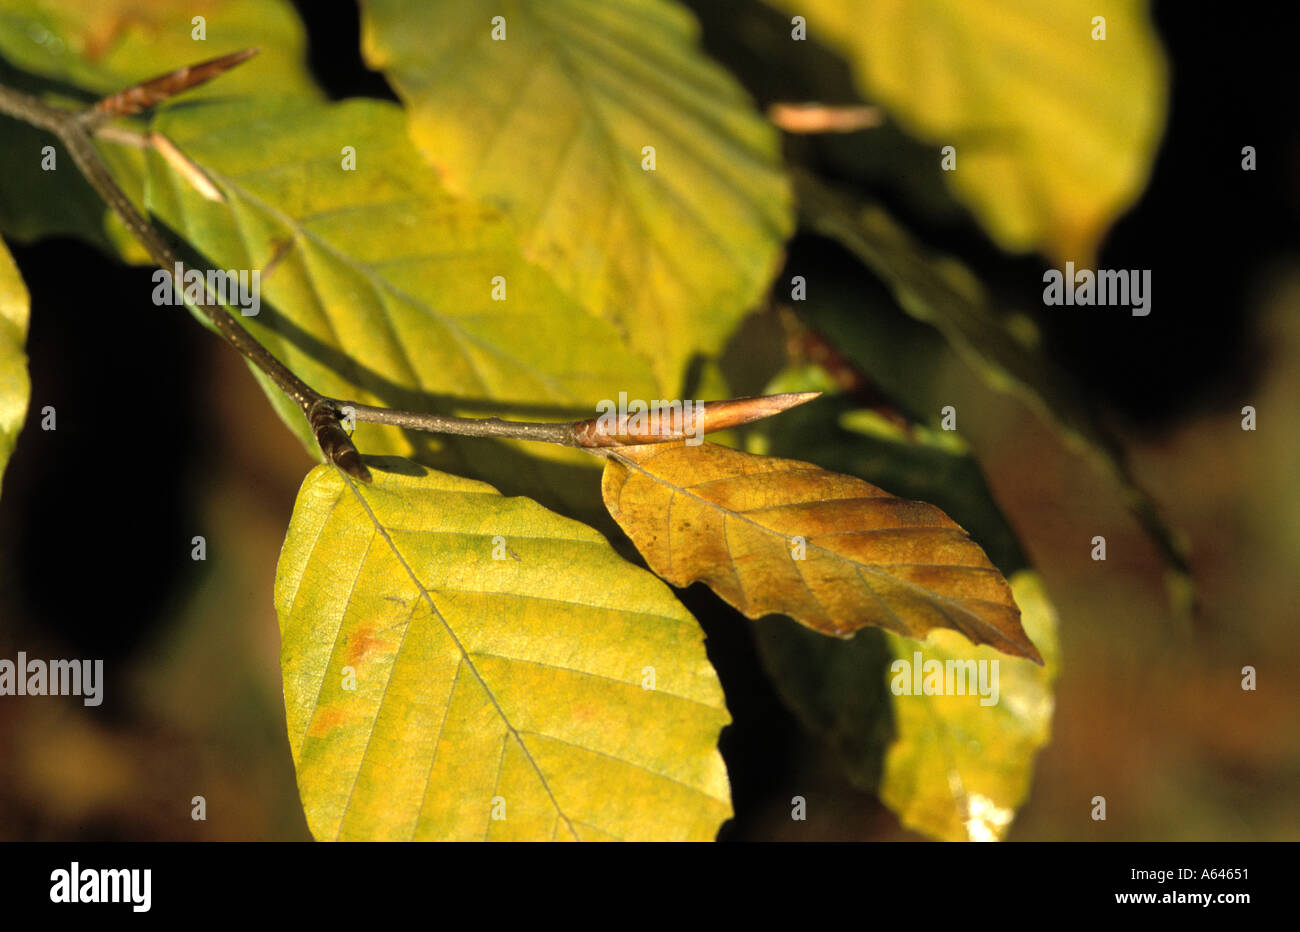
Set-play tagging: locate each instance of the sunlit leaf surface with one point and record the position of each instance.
(552, 123)
(462, 666)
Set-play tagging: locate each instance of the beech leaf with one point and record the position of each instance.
(550, 110)
(463, 666)
(101, 48)
(106, 45)
(831, 551)
(1054, 128)
(1001, 349)
(377, 284)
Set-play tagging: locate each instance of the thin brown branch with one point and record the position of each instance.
(592, 433)
(74, 129)
(814, 118)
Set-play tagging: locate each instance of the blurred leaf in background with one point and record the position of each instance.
(1055, 131)
(961, 768)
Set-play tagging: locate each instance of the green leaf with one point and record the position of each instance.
(943, 293)
(551, 124)
(35, 203)
(15, 385)
(1055, 132)
(516, 683)
(837, 690)
(377, 285)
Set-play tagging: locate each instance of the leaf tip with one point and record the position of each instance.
(1015, 642)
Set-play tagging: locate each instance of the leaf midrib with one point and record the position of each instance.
(466, 659)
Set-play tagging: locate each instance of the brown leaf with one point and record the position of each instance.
(731, 519)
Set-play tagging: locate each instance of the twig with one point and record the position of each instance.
(71, 129)
(813, 118)
(595, 432)
(74, 129)
(148, 94)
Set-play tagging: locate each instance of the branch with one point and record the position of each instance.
(592, 433)
(74, 129)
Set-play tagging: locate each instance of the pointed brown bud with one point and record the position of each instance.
(709, 417)
(150, 93)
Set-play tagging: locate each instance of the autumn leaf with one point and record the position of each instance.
(911, 459)
(960, 768)
(833, 552)
(953, 767)
(461, 665)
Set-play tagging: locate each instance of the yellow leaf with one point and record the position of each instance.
(15, 385)
(377, 285)
(637, 171)
(460, 665)
(961, 766)
(1054, 131)
(833, 552)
